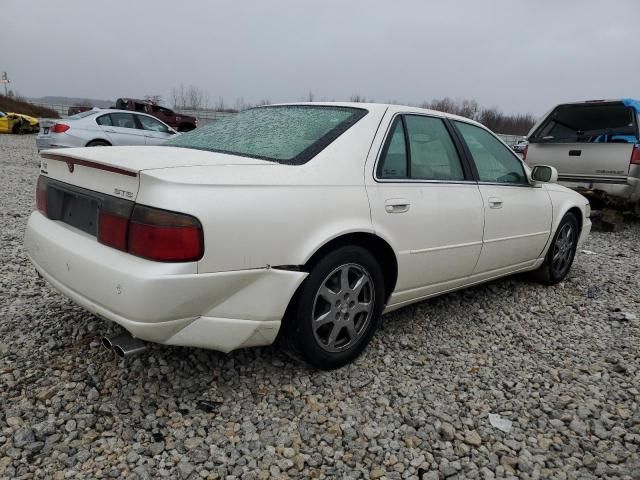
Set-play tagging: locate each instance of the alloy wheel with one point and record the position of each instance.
(563, 249)
(343, 307)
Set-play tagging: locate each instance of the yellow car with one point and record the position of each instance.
(29, 124)
(10, 123)
(18, 123)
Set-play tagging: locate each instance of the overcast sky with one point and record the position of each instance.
(521, 56)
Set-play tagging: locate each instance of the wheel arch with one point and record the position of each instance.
(98, 140)
(578, 214)
(376, 245)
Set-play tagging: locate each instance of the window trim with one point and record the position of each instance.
(473, 162)
(467, 169)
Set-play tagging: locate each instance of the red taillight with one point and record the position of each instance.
(524, 152)
(164, 236)
(112, 230)
(41, 195)
(59, 128)
(635, 155)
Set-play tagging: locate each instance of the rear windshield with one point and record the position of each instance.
(86, 113)
(607, 123)
(291, 134)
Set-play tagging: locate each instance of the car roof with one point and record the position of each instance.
(383, 107)
(104, 111)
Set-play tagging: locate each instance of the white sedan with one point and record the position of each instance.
(301, 222)
(101, 128)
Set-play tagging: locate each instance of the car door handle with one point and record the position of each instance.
(575, 153)
(495, 202)
(110, 131)
(397, 205)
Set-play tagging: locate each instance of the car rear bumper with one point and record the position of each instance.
(162, 302)
(625, 190)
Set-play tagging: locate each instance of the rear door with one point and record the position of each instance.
(587, 142)
(122, 129)
(155, 132)
(424, 201)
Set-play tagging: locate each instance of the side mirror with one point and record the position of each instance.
(544, 173)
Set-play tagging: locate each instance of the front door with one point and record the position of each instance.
(155, 132)
(518, 215)
(425, 203)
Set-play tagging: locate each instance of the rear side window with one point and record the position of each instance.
(606, 123)
(291, 134)
(104, 120)
(123, 120)
(431, 153)
(394, 160)
(494, 161)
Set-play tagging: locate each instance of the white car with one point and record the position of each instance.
(304, 222)
(101, 128)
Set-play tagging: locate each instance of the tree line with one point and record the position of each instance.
(192, 97)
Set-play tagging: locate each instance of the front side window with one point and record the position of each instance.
(291, 134)
(432, 154)
(123, 120)
(152, 124)
(494, 161)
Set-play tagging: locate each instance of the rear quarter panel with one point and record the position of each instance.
(271, 214)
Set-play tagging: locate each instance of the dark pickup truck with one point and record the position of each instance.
(182, 123)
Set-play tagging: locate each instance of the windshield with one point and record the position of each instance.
(291, 134)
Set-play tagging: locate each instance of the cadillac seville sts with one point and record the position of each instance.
(302, 223)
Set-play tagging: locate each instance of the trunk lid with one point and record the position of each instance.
(116, 170)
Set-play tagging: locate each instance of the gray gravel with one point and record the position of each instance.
(561, 363)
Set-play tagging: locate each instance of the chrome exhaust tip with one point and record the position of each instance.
(124, 345)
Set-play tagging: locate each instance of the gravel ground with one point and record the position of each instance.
(560, 363)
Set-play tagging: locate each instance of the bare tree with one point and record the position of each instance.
(491, 117)
(310, 96)
(190, 98)
(357, 98)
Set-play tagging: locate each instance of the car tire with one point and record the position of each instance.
(562, 251)
(98, 143)
(17, 129)
(336, 310)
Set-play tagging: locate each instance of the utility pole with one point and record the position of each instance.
(5, 79)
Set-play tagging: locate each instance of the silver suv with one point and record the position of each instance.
(595, 147)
